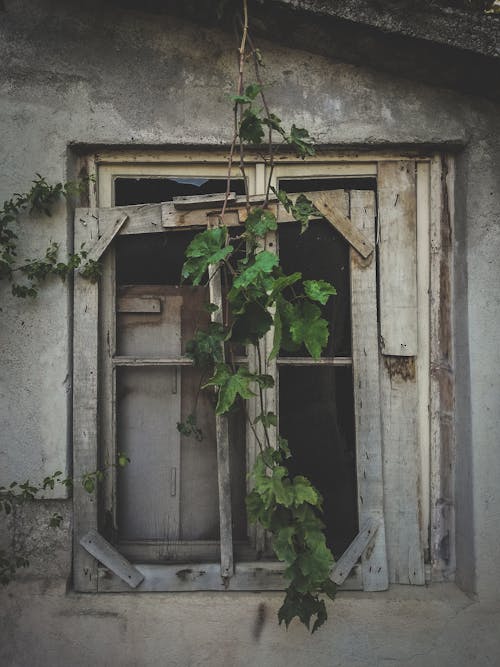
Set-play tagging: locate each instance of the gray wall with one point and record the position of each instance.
(69, 75)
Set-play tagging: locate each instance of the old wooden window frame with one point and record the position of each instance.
(421, 479)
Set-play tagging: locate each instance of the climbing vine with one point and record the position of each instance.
(27, 276)
(263, 298)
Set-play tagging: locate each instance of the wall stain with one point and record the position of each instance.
(404, 367)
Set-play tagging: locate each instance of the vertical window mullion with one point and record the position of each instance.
(222, 435)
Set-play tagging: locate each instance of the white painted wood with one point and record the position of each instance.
(398, 256)
(223, 454)
(251, 576)
(365, 359)
(108, 234)
(203, 201)
(327, 205)
(353, 553)
(106, 554)
(309, 361)
(423, 358)
(85, 378)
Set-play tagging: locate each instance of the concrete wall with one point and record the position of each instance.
(87, 75)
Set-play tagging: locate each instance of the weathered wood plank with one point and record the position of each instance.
(96, 545)
(85, 372)
(223, 464)
(398, 257)
(309, 361)
(253, 576)
(354, 551)
(136, 304)
(365, 358)
(328, 207)
(147, 415)
(442, 373)
(203, 201)
(399, 404)
(110, 231)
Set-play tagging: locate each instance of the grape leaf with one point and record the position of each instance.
(263, 263)
(319, 290)
(206, 248)
(230, 386)
(308, 327)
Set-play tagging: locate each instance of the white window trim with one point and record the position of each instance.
(429, 211)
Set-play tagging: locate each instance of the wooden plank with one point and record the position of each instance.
(252, 576)
(365, 360)
(423, 358)
(96, 545)
(398, 257)
(442, 371)
(223, 464)
(309, 361)
(327, 206)
(203, 201)
(107, 400)
(148, 410)
(85, 372)
(354, 551)
(109, 232)
(135, 304)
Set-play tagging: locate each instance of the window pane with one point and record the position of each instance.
(154, 190)
(317, 417)
(320, 253)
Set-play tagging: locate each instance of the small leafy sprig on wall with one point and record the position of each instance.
(262, 298)
(19, 493)
(38, 200)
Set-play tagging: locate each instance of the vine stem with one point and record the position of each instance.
(241, 67)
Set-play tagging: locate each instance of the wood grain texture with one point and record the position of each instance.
(365, 358)
(106, 554)
(398, 257)
(85, 379)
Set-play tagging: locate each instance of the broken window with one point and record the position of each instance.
(169, 512)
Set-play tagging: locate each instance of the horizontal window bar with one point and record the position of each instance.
(162, 361)
(309, 361)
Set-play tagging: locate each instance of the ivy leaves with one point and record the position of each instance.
(262, 297)
(288, 509)
(208, 247)
(40, 199)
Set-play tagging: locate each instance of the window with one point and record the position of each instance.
(175, 518)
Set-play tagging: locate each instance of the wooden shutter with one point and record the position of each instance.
(365, 359)
(398, 368)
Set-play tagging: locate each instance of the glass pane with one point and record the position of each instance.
(320, 253)
(317, 418)
(298, 185)
(154, 190)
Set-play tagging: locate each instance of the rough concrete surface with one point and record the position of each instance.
(72, 74)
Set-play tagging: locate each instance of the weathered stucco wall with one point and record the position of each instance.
(88, 76)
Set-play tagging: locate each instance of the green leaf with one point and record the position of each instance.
(263, 263)
(283, 282)
(304, 491)
(251, 323)
(268, 419)
(205, 349)
(308, 327)
(300, 139)
(251, 130)
(260, 221)
(206, 248)
(283, 545)
(230, 386)
(319, 290)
